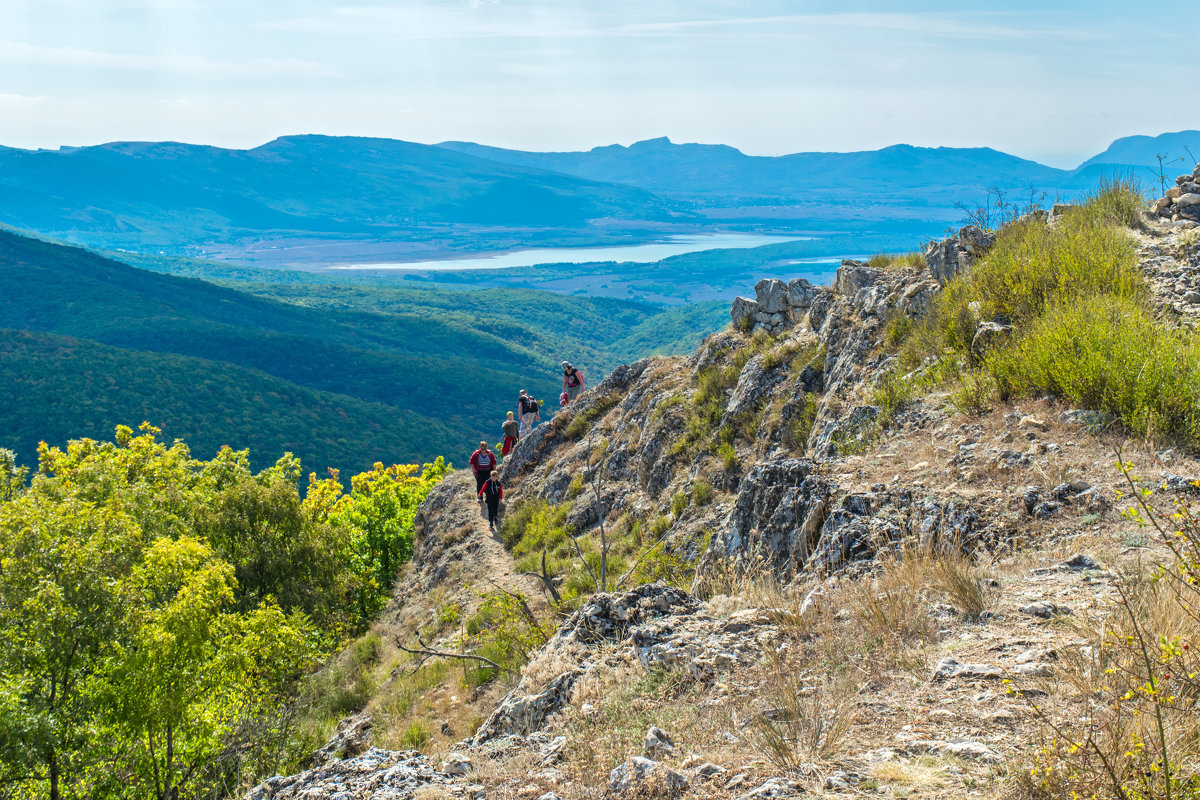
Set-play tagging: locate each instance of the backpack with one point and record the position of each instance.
(526, 401)
(533, 406)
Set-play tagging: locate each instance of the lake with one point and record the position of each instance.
(634, 253)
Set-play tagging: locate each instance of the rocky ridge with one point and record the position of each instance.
(1181, 203)
(813, 490)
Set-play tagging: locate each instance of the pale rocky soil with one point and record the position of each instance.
(916, 725)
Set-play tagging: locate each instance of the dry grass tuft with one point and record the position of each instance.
(808, 715)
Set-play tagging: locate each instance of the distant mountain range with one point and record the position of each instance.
(165, 193)
(141, 196)
(935, 175)
(702, 172)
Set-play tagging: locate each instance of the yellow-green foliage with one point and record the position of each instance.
(679, 504)
(504, 631)
(712, 384)
(702, 492)
(896, 260)
(1082, 326)
(1033, 265)
(1106, 352)
(728, 456)
(582, 421)
(159, 612)
(377, 517)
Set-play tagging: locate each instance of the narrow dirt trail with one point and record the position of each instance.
(456, 559)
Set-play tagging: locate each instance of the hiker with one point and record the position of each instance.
(492, 493)
(530, 413)
(511, 434)
(572, 381)
(483, 461)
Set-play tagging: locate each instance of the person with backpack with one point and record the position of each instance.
(529, 412)
(511, 434)
(492, 493)
(483, 462)
(572, 382)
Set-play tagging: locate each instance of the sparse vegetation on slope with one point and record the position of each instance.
(1073, 319)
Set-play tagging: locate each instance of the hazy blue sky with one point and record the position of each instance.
(1046, 80)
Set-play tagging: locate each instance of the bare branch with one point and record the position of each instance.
(547, 581)
(427, 652)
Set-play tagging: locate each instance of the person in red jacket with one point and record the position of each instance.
(483, 461)
(492, 492)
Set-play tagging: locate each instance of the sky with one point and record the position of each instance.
(1051, 81)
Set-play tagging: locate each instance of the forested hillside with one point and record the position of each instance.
(342, 376)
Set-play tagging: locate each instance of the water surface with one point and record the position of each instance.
(633, 253)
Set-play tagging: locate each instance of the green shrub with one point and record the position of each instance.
(416, 736)
(702, 492)
(1119, 201)
(679, 504)
(576, 487)
(582, 421)
(1032, 266)
(795, 433)
(728, 456)
(974, 393)
(892, 392)
(1108, 353)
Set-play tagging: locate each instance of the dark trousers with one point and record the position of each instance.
(481, 478)
(493, 511)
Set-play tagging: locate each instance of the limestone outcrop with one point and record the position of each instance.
(1181, 203)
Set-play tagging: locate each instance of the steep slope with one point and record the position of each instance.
(868, 570)
(169, 193)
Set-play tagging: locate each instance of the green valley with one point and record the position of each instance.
(342, 375)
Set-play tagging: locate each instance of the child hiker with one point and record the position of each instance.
(510, 429)
(492, 493)
(483, 462)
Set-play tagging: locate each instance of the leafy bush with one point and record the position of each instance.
(504, 630)
(416, 736)
(378, 517)
(1082, 325)
(1108, 353)
(702, 492)
(1032, 266)
(160, 612)
(728, 456)
(679, 504)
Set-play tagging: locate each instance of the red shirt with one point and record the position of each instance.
(483, 461)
